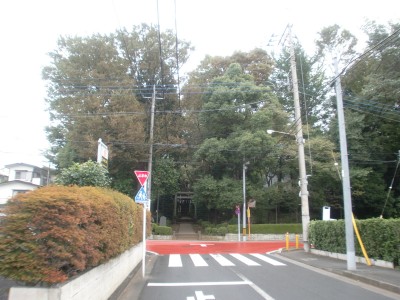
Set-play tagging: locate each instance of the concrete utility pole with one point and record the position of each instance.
(150, 166)
(348, 212)
(305, 214)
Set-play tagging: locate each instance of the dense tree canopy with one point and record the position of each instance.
(208, 128)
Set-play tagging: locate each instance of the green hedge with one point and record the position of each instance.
(161, 230)
(269, 228)
(55, 232)
(381, 237)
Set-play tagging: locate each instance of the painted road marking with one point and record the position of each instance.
(222, 260)
(200, 296)
(244, 259)
(202, 245)
(268, 260)
(175, 261)
(256, 288)
(198, 261)
(245, 281)
(210, 283)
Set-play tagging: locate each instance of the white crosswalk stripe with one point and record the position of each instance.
(268, 259)
(244, 259)
(223, 261)
(175, 260)
(198, 261)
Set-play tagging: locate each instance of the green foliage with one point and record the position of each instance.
(216, 230)
(165, 178)
(270, 228)
(229, 103)
(56, 232)
(85, 174)
(161, 230)
(224, 228)
(218, 195)
(381, 237)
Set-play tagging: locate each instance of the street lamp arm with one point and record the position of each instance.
(270, 131)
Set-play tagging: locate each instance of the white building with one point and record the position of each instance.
(22, 178)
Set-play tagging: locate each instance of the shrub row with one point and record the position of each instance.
(224, 228)
(381, 237)
(161, 230)
(270, 228)
(55, 232)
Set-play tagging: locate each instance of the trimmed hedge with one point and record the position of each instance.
(381, 237)
(56, 232)
(161, 230)
(270, 228)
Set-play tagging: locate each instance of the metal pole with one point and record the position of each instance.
(144, 242)
(305, 213)
(348, 213)
(244, 201)
(238, 226)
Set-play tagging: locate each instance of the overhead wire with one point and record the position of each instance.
(177, 58)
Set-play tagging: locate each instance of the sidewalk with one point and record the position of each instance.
(385, 278)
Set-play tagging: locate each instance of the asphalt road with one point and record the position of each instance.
(245, 276)
(217, 270)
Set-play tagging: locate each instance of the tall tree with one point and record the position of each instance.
(99, 88)
(315, 106)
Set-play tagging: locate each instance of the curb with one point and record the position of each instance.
(380, 284)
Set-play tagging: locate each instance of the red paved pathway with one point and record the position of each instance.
(200, 247)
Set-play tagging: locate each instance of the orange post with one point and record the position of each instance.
(297, 241)
(287, 240)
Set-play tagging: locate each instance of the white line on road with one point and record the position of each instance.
(174, 284)
(268, 260)
(222, 260)
(175, 261)
(244, 259)
(255, 287)
(198, 261)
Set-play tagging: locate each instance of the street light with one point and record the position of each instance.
(244, 199)
(305, 214)
(270, 131)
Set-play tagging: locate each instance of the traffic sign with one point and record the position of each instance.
(237, 210)
(141, 196)
(142, 176)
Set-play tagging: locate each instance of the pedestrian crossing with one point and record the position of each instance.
(224, 260)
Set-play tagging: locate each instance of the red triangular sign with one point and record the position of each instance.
(142, 176)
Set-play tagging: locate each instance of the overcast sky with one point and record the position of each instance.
(29, 30)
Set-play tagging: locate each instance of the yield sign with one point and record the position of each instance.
(142, 176)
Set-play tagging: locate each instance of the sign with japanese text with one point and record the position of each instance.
(142, 176)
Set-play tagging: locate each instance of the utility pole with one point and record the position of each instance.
(305, 214)
(348, 212)
(150, 166)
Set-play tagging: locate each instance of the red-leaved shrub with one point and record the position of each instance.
(55, 232)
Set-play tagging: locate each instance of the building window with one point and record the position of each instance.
(21, 175)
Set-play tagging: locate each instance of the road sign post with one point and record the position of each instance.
(237, 212)
(141, 198)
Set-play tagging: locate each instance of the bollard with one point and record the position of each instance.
(297, 241)
(287, 241)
